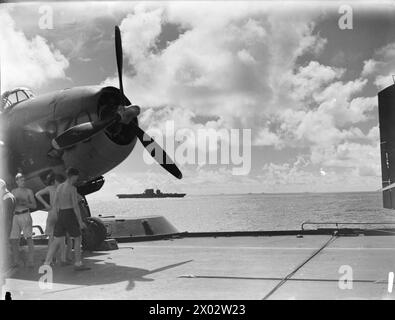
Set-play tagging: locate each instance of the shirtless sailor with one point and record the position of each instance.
(22, 220)
(69, 219)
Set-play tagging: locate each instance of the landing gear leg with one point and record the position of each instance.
(95, 232)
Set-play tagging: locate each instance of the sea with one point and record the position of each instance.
(248, 212)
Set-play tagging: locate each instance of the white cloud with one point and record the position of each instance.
(362, 157)
(26, 62)
(292, 176)
(240, 65)
(381, 66)
(229, 62)
(286, 175)
(184, 124)
(140, 31)
(325, 111)
(374, 134)
(311, 79)
(268, 138)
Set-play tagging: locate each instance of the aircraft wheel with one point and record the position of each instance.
(94, 234)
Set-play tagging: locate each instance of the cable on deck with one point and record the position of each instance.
(286, 278)
(275, 279)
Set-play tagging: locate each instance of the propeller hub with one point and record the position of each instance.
(129, 113)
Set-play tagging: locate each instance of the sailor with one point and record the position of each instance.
(50, 191)
(69, 219)
(53, 181)
(22, 220)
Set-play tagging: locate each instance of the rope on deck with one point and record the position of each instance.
(285, 279)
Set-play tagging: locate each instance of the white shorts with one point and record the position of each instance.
(22, 223)
(50, 224)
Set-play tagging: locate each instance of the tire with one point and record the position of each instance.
(94, 234)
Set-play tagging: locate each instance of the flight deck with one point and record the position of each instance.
(192, 266)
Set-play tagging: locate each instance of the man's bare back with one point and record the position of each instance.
(66, 195)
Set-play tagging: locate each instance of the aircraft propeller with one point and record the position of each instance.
(124, 114)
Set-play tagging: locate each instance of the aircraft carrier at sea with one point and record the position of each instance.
(150, 193)
(319, 261)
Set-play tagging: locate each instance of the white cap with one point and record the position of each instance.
(2, 184)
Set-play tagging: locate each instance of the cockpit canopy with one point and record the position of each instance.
(12, 97)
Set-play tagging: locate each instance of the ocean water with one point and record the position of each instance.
(248, 211)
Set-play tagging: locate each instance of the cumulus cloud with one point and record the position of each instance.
(292, 176)
(381, 66)
(356, 162)
(301, 176)
(287, 173)
(324, 117)
(242, 66)
(310, 79)
(140, 31)
(268, 138)
(24, 61)
(227, 63)
(179, 124)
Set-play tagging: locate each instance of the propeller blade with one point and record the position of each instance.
(119, 56)
(157, 152)
(82, 132)
(149, 144)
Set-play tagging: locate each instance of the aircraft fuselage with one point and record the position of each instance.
(31, 125)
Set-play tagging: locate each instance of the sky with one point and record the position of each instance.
(305, 86)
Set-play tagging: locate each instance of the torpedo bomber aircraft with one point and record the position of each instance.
(90, 128)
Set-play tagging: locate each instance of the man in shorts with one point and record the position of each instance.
(53, 181)
(22, 220)
(69, 219)
(49, 191)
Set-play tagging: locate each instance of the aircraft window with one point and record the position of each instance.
(22, 96)
(9, 98)
(5, 103)
(12, 98)
(29, 94)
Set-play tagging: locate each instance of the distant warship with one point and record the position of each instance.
(150, 193)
